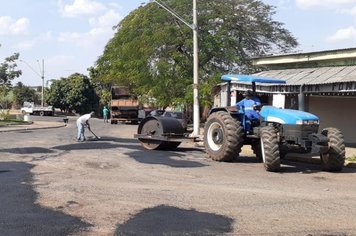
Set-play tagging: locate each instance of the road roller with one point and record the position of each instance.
(162, 133)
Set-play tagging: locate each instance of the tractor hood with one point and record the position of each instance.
(288, 116)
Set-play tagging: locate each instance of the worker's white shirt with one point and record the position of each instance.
(83, 119)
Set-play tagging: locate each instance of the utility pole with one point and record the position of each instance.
(40, 75)
(196, 113)
(194, 27)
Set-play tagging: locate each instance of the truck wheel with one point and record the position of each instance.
(223, 136)
(42, 113)
(270, 149)
(334, 158)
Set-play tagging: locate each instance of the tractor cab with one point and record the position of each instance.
(249, 116)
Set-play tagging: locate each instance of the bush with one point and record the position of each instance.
(4, 114)
(352, 158)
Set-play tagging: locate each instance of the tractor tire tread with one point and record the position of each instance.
(269, 138)
(233, 137)
(334, 159)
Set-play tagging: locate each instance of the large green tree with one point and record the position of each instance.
(23, 94)
(8, 72)
(75, 93)
(152, 50)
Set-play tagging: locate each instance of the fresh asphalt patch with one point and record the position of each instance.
(20, 215)
(27, 150)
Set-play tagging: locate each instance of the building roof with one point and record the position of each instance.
(329, 55)
(321, 75)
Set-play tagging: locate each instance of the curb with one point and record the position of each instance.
(32, 128)
(317, 161)
(350, 164)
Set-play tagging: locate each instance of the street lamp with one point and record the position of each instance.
(194, 27)
(40, 75)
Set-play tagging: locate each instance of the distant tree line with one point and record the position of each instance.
(73, 94)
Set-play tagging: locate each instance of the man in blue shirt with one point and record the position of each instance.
(249, 105)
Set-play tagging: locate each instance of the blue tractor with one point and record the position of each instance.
(276, 133)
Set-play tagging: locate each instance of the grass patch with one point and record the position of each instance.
(351, 158)
(13, 122)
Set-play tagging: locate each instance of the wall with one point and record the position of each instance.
(338, 112)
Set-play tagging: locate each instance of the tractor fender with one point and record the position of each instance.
(230, 110)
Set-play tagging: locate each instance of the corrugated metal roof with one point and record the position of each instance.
(321, 75)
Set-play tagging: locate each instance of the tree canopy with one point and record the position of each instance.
(75, 93)
(8, 70)
(8, 73)
(152, 51)
(23, 94)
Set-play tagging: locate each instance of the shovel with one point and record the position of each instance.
(96, 137)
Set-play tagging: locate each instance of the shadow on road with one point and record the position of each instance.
(189, 149)
(19, 215)
(26, 150)
(247, 159)
(118, 140)
(167, 220)
(168, 158)
(286, 166)
(86, 146)
(307, 168)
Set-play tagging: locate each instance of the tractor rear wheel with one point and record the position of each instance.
(270, 149)
(334, 158)
(223, 136)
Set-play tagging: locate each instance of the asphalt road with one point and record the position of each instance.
(52, 185)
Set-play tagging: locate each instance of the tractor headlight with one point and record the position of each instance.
(307, 122)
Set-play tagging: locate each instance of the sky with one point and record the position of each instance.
(69, 35)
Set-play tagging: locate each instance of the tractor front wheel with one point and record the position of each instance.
(334, 158)
(223, 136)
(270, 149)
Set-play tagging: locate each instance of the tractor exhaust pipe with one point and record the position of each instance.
(301, 99)
(228, 94)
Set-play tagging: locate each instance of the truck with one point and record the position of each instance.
(124, 106)
(275, 134)
(32, 109)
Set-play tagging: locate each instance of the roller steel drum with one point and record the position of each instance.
(157, 130)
